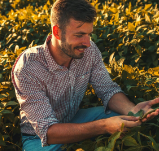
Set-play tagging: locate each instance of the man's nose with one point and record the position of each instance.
(86, 41)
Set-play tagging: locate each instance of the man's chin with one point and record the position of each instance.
(79, 56)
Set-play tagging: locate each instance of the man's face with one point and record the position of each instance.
(76, 38)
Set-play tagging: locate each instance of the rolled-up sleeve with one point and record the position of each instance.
(34, 103)
(100, 79)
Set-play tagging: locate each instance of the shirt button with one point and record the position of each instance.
(108, 111)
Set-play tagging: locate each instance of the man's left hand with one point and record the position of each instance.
(146, 107)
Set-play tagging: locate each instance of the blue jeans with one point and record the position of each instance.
(33, 143)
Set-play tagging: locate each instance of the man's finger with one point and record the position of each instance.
(153, 114)
(150, 116)
(131, 121)
(130, 118)
(126, 129)
(153, 102)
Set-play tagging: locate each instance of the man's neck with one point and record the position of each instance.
(59, 57)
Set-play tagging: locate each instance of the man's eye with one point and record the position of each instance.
(79, 36)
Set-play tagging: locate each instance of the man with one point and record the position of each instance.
(50, 81)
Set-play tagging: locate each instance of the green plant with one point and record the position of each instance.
(10, 135)
(129, 31)
(127, 35)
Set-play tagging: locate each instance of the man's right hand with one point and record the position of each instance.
(62, 133)
(113, 124)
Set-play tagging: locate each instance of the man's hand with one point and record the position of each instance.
(146, 107)
(62, 133)
(113, 124)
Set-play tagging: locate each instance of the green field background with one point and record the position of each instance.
(127, 34)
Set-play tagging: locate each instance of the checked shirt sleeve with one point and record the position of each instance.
(33, 101)
(104, 87)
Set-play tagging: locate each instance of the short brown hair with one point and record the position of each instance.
(63, 10)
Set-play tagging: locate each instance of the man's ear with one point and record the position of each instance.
(56, 32)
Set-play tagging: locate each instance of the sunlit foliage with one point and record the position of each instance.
(126, 32)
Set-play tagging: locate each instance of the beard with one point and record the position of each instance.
(69, 50)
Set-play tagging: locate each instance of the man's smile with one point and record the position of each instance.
(81, 50)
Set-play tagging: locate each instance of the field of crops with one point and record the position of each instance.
(127, 34)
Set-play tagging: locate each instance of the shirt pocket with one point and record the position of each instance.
(81, 81)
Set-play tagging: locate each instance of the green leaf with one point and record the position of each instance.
(16, 120)
(112, 142)
(154, 144)
(133, 132)
(98, 40)
(2, 143)
(1, 77)
(134, 148)
(152, 48)
(101, 149)
(94, 36)
(11, 94)
(149, 112)
(130, 114)
(113, 139)
(130, 141)
(105, 53)
(129, 6)
(147, 18)
(6, 137)
(0, 117)
(155, 63)
(6, 112)
(11, 103)
(138, 49)
(151, 32)
(152, 124)
(140, 99)
(129, 87)
(138, 138)
(121, 61)
(133, 42)
(2, 96)
(36, 41)
(131, 27)
(113, 10)
(147, 6)
(31, 30)
(138, 114)
(1, 105)
(111, 58)
(157, 134)
(128, 69)
(100, 137)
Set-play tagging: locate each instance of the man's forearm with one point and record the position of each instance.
(62, 133)
(72, 132)
(120, 104)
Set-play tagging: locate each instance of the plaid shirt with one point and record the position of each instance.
(49, 93)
